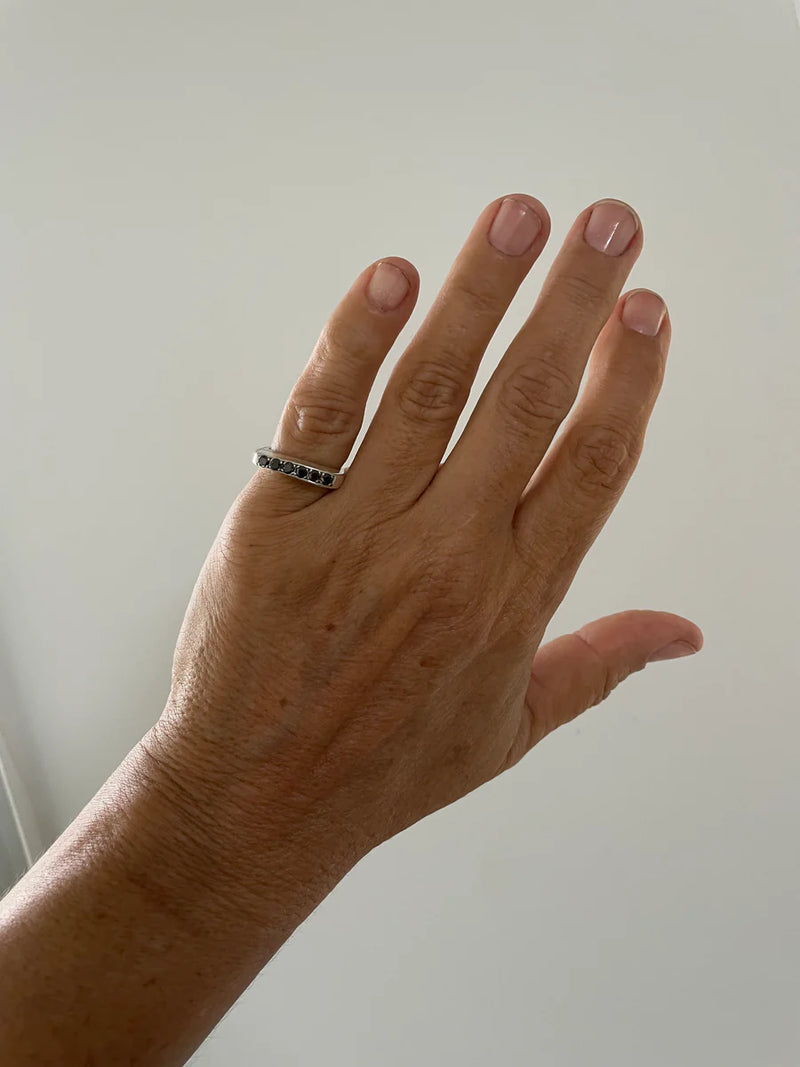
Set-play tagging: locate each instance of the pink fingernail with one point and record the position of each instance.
(516, 226)
(644, 312)
(673, 651)
(387, 287)
(611, 227)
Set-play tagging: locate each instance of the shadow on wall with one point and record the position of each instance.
(14, 858)
(22, 833)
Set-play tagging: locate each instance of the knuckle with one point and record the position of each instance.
(539, 392)
(603, 679)
(604, 456)
(582, 292)
(434, 391)
(340, 338)
(481, 300)
(323, 411)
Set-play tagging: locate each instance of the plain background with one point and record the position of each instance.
(187, 189)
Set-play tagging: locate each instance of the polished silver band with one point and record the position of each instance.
(298, 468)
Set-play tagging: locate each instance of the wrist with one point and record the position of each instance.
(170, 889)
(205, 839)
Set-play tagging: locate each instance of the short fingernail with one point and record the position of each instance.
(387, 287)
(644, 312)
(516, 226)
(673, 651)
(611, 227)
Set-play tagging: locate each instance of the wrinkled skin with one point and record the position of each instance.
(364, 656)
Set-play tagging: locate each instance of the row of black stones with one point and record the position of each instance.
(297, 469)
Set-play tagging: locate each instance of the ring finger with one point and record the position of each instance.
(323, 415)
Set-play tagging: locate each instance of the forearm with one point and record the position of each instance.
(134, 934)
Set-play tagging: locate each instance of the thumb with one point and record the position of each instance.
(577, 671)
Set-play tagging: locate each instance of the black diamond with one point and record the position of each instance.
(313, 476)
(275, 464)
(288, 467)
(301, 471)
(327, 479)
(263, 461)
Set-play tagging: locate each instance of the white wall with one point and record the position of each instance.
(186, 190)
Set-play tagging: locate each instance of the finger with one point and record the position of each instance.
(325, 409)
(583, 475)
(430, 383)
(577, 671)
(535, 384)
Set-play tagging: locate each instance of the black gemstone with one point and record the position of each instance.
(301, 471)
(313, 476)
(263, 461)
(327, 479)
(275, 464)
(287, 466)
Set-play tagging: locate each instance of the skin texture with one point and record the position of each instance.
(352, 660)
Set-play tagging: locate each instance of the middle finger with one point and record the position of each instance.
(430, 383)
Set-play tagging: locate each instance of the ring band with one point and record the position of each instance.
(298, 468)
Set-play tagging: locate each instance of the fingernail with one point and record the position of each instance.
(387, 287)
(644, 312)
(673, 651)
(515, 227)
(611, 227)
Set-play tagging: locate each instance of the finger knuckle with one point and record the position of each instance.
(539, 392)
(581, 292)
(434, 391)
(341, 340)
(603, 680)
(323, 411)
(603, 456)
(481, 300)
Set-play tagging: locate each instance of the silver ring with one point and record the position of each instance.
(298, 468)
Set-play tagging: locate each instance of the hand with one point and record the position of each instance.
(355, 659)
